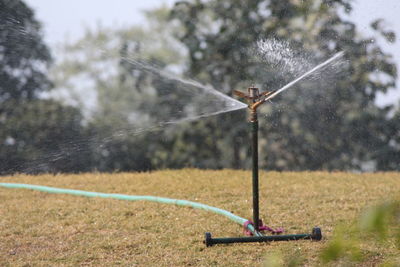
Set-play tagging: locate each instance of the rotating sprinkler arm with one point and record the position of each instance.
(263, 99)
(255, 99)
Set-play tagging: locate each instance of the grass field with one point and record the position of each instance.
(40, 229)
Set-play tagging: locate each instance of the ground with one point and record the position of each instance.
(40, 229)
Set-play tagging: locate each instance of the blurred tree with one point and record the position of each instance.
(24, 56)
(34, 132)
(119, 67)
(129, 72)
(336, 127)
(43, 136)
(331, 123)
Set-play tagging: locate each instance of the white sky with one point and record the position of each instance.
(66, 20)
(63, 19)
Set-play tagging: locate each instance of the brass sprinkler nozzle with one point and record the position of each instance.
(254, 98)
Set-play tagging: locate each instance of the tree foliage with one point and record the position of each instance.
(34, 132)
(130, 100)
(319, 125)
(43, 136)
(329, 121)
(24, 56)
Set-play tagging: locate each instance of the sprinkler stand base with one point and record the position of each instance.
(316, 235)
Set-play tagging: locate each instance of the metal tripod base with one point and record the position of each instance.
(315, 235)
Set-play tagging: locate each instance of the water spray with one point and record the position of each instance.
(255, 228)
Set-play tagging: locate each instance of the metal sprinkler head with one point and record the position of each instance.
(253, 92)
(254, 98)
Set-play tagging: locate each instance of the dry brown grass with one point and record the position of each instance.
(40, 229)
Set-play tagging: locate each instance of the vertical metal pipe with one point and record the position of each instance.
(254, 122)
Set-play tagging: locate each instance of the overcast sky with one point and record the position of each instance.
(65, 19)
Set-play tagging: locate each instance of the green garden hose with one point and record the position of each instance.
(179, 202)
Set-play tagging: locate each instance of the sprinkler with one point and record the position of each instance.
(255, 99)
